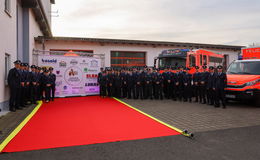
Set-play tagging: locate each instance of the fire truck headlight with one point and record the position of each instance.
(252, 82)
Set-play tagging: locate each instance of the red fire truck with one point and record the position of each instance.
(188, 58)
(244, 77)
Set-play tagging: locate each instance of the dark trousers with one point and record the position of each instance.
(124, 89)
(138, 91)
(180, 92)
(33, 93)
(47, 93)
(15, 94)
(187, 93)
(211, 96)
(103, 90)
(129, 91)
(174, 92)
(148, 91)
(220, 96)
(158, 91)
(117, 91)
(110, 90)
(23, 96)
(202, 93)
(52, 91)
(196, 92)
(168, 90)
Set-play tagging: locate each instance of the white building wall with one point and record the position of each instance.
(7, 44)
(34, 31)
(151, 52)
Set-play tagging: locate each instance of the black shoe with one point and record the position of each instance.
(216, 106)
(13, 110)
(20, 108)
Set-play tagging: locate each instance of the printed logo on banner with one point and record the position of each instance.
(84, 62)
(73, 62)
(65, 87)
(91, 75)
(49, 60)
(94, 63)
(85, 69)
(73, 76)
(57, 72)
(58, 83)
(92, 70)
(63, 64)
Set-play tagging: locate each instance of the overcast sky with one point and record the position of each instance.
(235, 22)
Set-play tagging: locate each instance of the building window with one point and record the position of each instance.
(7, 66)
(127, 59)
(8, 7)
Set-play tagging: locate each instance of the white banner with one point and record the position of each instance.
(75, 76)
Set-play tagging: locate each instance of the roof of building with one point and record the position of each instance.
(103, 41)
(40, 16)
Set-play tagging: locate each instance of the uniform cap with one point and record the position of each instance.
(204, 67)
(211, 67)
(17, 62)
(197, 67)
(51, 68)
(219, 67)
(33, 66)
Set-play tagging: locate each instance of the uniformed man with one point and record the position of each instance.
(110, 82)
(103, 84)
(53, 83)
(23, 84)
(123, 76)
(203, 81)
(38, 83)
(187, 85)
(148, 84)
(219, 87)
(33, 84)
(138, 85)
(47, 85)
(210, 86)
(180, 83)
(167, 78)
(158, 84)
(196, 80)
(175, 84)
(130, 83)
(14, 82)
(117, 84)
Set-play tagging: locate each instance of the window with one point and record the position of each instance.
(7, 66)
(192, 61)
(127, 59)
(215, 61)
(8, 7)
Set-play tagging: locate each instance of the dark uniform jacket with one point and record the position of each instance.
(220, 81)
(211, 79)
(14, 78)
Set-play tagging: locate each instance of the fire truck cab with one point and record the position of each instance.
(243, 77)
(188, 58)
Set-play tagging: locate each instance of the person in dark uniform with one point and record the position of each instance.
(148, 84)
(110, 82)
(180, 83)
(27, 84)
(187, 85)
(38, 83)
(99, 79)
(103, 84)
(196, 79)
(117, 84)
(23, 84)
(138, 85)
(130, 83)
(14, 82)
(210, 86)
(123, 76)
(219, 87)
(33, 84)
(41, 82)
(203, 81)
(53, 83)
(158, 82)
(167, 78)
(175, 84)
(47, 85)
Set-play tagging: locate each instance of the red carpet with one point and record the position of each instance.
(82, 121)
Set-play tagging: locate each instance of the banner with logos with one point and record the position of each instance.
(75, 76)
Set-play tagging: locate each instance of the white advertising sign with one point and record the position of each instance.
(75, 76)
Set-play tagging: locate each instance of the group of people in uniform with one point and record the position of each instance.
(29, 84)
(207, 87)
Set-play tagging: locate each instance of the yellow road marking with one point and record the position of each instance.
(174, 128)
(19, 127)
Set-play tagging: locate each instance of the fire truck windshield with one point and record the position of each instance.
(249, 68)
(173, 61)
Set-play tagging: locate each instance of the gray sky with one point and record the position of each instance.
(235, 22)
